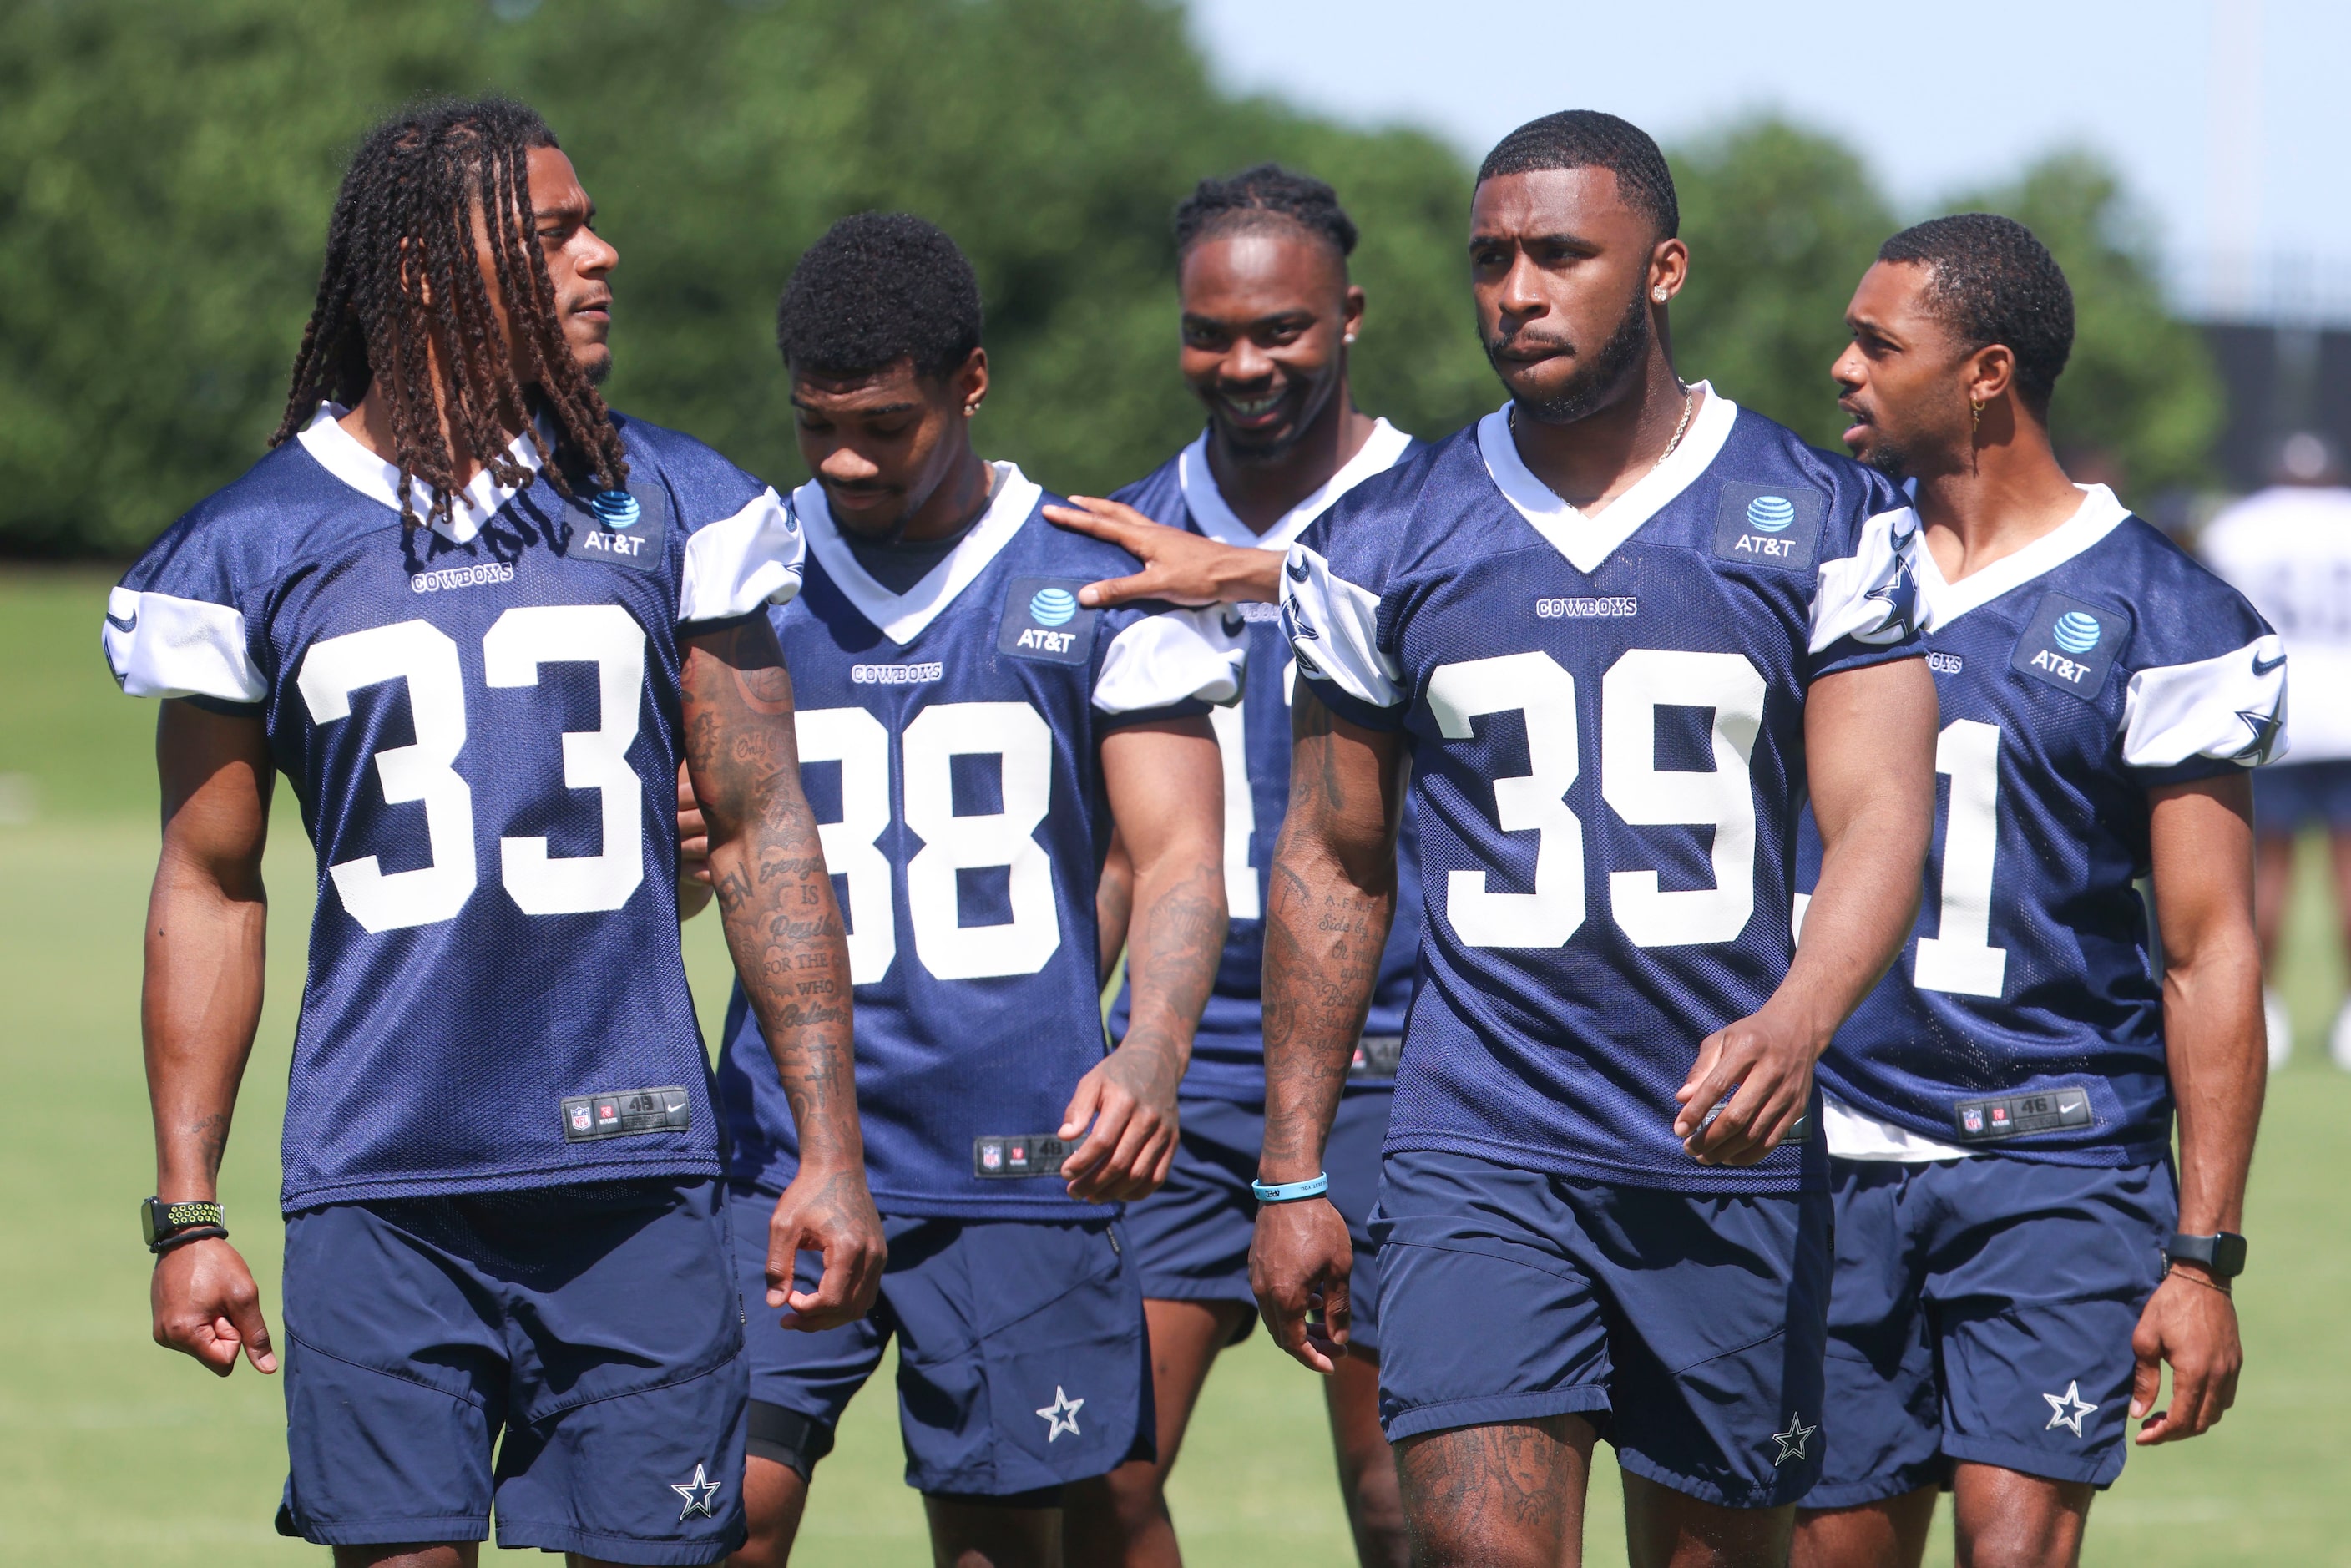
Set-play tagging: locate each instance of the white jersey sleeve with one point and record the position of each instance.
(2228, 708)
(736, 564)
(1173, 656)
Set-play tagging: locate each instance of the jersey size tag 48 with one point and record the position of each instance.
(626, 1114)
(2013, 1115)
(1000, 1154)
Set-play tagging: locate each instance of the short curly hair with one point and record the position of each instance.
(876, 289)
(1588, 139)
(1990, 281)
(1267, 193)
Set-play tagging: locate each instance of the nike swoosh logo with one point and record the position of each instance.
(2259, 667)
(2069, 1104)
(673, 1104)
(1297, 570)
(125, 627)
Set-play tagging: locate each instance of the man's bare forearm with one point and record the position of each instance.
(200, 1006)
(207, 918)
(1173, 944)
(2202, 851)
(1331, 898)
(1861, 914)
(775, 896)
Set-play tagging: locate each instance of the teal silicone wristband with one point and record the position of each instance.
(1291, 1191)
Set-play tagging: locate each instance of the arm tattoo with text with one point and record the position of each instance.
(1330, 898)
(775, 896)
(1172, 947)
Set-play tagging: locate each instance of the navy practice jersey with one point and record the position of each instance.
(1605, 719)
(2024, 1014)
(949, 744)
(1229, 1056)
(481, 721)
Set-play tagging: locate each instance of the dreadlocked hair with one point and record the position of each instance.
(405, 223)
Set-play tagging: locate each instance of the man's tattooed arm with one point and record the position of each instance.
(775, 901)
(1165, 783)
(1332, 898)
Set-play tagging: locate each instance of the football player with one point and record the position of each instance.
(477, 619)
(970, 734)
(2288, 550)
(1999, 1113)
(1268, 318)
(1608, 637)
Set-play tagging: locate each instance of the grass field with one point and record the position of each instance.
(113, 1451)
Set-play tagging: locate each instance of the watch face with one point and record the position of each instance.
(147, 1220)
(2227, 1255)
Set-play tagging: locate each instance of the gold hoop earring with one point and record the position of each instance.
(1975, 416)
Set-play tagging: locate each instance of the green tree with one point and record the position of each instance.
(1781, 221)
(166, 172)
(2141, 401)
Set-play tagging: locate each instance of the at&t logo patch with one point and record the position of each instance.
(1043, 620)
(2069, 646)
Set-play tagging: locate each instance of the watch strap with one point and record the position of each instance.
(2221, 1254)
(163, 1224)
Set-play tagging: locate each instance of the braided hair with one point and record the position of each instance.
(405, 217)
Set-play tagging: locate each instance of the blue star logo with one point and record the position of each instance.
(698, 1494)
(1899, 593)
(2266, 728)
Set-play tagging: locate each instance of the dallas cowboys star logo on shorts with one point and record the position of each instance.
(697, 1494)
(1791, 1441)
(1062, 1415)
(2067, 1409)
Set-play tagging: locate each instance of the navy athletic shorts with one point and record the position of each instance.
(2295, 795)
(1192, 1236)
(1022, 1361)
(1983, 1310)
(598, 1328)
(1687, 1326)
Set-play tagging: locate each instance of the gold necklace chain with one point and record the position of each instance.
(1681, 429)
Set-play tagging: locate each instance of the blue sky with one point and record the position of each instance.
(2231, 120)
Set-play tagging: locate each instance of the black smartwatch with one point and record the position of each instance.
(2221, 1254)
(168, 1225)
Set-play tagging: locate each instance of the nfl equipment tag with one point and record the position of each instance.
(1376, 1056)
(2014, 1115)
(1000, 1154)
(2070, 645)
(1043, 620)
(1769, 524)
(625, 1114)
(625, 528)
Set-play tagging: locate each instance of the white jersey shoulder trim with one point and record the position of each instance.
(1871, 595)
(1586, 541)
(338, 452)
(1856, 1135)
(2231, 708)
(901, 617)
(1334, 630)
(738, 563)
(1177, 655)
(1943, 602)
(1385, 448)
(159, 645)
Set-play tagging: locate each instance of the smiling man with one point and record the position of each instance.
(1608, 638)
(1268, 317)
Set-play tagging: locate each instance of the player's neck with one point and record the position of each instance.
(1590, 462)
(1261, 492)
(2008, 491)
(955, 503)
(370, 424)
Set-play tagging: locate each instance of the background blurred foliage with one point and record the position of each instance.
(166, 171)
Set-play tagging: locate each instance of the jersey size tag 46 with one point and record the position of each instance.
(626, 1114)
(1043, 620)
(1000, 1154)
(2014, 1115)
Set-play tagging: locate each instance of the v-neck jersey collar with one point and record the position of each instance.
(1217, 521)
(901, 617)
(340, 453)
(1586, 541)
(1944, 602)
